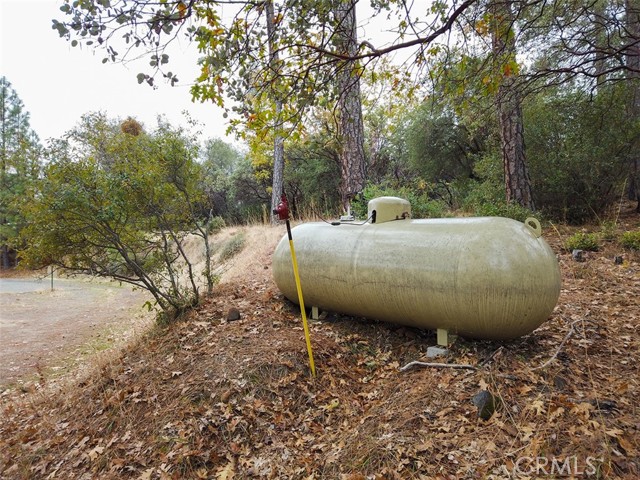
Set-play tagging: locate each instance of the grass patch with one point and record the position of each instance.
(583, 241)
(631, 240)
(232, 247)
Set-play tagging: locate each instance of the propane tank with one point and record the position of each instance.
(487, 277)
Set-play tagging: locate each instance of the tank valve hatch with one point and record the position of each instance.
(387, 209)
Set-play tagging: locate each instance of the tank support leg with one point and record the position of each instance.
(315, 315)
(443, 337)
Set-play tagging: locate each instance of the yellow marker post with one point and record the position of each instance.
(305, 324)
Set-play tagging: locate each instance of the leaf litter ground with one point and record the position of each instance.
(207, 398)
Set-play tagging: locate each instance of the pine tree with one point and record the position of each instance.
(19, 165)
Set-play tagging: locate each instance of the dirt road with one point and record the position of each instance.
(40, 328)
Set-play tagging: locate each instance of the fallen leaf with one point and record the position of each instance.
(95, 453)
(626, 444)
(227, 472)
(147, 474)
(614, 432)
(537, 406)
(332, 405)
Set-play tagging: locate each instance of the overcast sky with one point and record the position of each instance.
(58, 83)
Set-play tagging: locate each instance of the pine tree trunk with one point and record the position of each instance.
(351, 130)
(277, 179)
(633, 65)
(4, 253)
(516, 174)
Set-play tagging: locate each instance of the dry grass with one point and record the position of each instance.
(209, 399)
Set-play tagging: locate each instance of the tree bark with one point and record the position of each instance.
(516, 174)
(632, 8)
(4, 249)
(351, 129)
(277, 179)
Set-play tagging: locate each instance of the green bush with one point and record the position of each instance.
(578, 146)
(583, 241)
(422, 204)
(233, 246)
(608, 230)
(631, 240)
(215, 225)
(486, 198)
(503, 209)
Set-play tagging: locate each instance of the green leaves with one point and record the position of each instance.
(60, 27)
(114, 197)
(19, 166)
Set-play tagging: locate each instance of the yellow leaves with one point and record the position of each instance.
(182, 9)
(332, 405)
(482, 27)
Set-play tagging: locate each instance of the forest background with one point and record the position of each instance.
(476, 107)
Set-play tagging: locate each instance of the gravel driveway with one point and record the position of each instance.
(40, 327)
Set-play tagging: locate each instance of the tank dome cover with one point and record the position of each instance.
(387, 209)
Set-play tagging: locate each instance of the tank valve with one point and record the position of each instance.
(282, 209)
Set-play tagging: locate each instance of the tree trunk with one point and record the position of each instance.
(277, 179)
(277, 184)
(351, 130)
(5, 263)
(4, 249)
(633, 68)
(516, 174)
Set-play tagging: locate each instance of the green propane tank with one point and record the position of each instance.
(486, 278)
